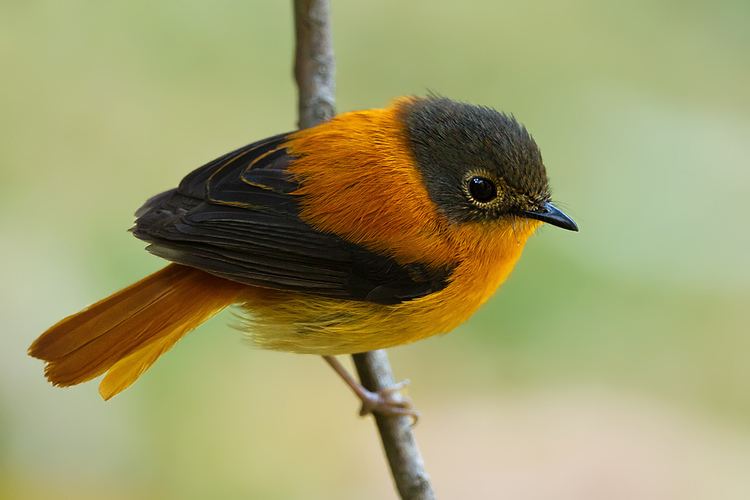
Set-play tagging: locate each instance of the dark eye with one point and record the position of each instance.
(482, 190)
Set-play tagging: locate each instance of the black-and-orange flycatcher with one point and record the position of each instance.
(374, 229)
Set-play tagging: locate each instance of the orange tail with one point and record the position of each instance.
(125, 333)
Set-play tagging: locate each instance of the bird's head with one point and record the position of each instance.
(479, 165)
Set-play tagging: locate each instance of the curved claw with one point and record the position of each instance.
(389, 401)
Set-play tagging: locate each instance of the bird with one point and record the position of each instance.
(374, 229)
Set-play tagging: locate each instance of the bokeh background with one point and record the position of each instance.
(613, 364)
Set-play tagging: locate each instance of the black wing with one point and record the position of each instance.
(237, 217)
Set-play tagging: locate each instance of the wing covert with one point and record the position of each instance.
(237, 217)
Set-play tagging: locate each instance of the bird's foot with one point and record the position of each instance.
(388, 401)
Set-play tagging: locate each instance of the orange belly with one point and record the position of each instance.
(304, 324)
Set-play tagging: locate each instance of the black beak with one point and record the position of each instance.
(551, 215)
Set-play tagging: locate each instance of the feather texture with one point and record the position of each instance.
(335, 239)
(237, 217)
(126, 332)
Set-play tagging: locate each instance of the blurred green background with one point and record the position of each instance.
(613, 364)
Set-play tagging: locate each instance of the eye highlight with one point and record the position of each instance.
(482, 189)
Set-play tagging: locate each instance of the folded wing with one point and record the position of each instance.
(238, 218)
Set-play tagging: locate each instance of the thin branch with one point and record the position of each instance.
(314, 66)
(314, 69)
(404, 457)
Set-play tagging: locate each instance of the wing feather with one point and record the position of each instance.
(237, 217)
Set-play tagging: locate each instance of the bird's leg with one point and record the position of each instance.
(388, 401)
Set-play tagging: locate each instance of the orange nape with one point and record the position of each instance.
(125, 333)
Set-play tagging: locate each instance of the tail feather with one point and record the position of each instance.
(124, 372)
(126, 333)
